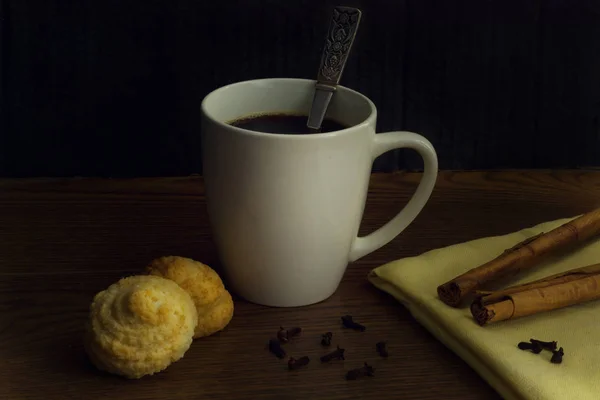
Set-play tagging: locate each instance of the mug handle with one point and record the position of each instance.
(382, 143)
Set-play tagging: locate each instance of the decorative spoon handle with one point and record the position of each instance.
(342, 31)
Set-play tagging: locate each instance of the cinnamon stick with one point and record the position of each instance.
(562, 277)
(561, 290)
(523, 256)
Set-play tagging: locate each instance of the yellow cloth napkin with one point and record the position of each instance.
(492, 350)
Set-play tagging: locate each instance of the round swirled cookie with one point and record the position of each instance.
(214, 303)
(139, 325)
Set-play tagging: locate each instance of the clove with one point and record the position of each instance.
(282, 335)
(545, 345)
(557, 356)
(348, 322)
(285, 335)
(382, 349)
(365, 370)
(326, 339)
(275, 348)
(297, 363)
(534, 347)
(337, 354)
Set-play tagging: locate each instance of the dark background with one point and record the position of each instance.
(112, 88)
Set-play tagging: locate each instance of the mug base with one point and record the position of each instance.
(283, 303)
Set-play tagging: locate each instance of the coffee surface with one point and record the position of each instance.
(285, 124)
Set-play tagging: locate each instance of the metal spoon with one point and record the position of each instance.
(342, 31)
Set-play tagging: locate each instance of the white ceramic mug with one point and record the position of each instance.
(285, 210)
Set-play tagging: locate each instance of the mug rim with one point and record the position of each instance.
(365, 123)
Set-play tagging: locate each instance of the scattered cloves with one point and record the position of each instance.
(326, 339)
(534, 347)
(348, 322)
(382, 349)
(365, 370)
(298, 363)
(336, 354)
(557, 356)
(545, 345)
(275, 348)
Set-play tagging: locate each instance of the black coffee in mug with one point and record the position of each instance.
(284, 123)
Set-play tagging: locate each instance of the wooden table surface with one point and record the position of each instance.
(61, 241)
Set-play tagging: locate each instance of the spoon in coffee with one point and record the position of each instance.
(342, 31)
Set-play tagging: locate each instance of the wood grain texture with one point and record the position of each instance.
(112, 88)
(63, 240)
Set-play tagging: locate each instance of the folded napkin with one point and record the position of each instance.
(492, 350)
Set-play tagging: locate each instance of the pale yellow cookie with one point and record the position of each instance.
(213, 302)
(139, 326)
